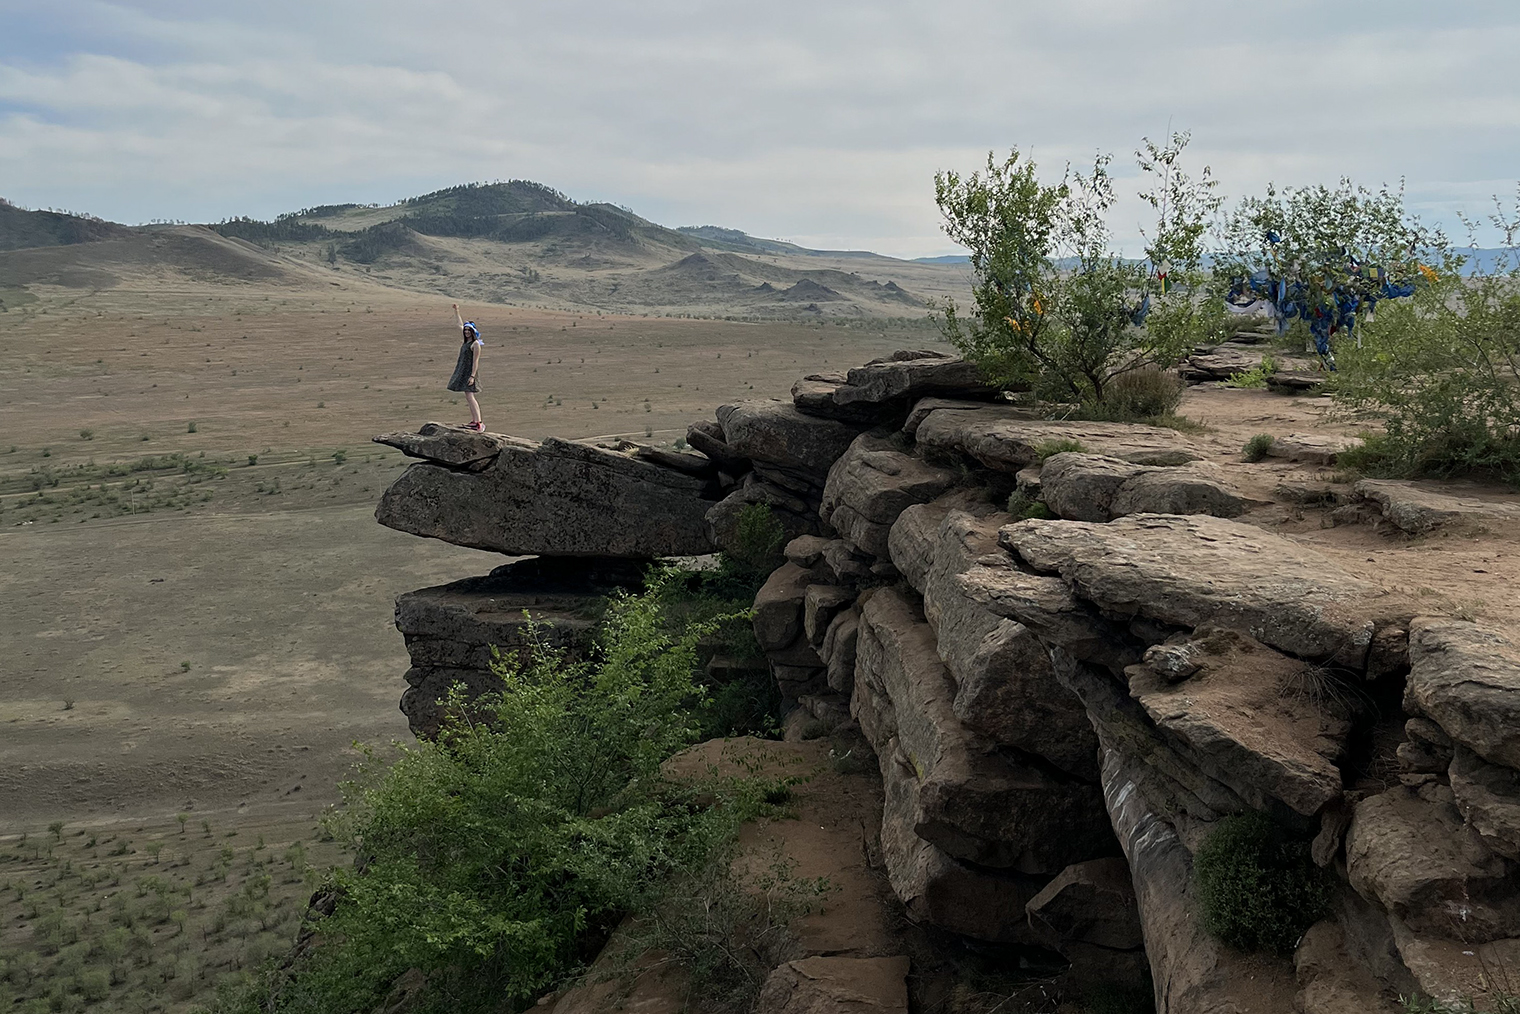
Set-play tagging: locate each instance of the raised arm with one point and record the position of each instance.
(458, 316)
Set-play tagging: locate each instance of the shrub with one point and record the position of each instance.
(1141, 394)
(1257, 886)
(759, 538)
(1050, 447)
(190, 428)
(1440, 368)
(1024, 507)
(498, 857)
(1258, 447)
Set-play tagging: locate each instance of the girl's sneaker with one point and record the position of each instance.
(478, 427)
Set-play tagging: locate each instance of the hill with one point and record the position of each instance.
(517, 242)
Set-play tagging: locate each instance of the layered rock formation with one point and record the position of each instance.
(1061, 710)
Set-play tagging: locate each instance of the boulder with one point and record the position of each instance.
(805, 550)
(846, 563)
(1457, 972)
(557, 498)
(1004, 687)
(1488, 796)
(815, 395)
(1190, 970)
(1197, 570)
(1220, 363)
(909, 375)
(1091, 902)
(706, 437)
(1311, 448)
(1006, 439)
(1172, 777)
(1331, 981)
(1418, 508)
(871, 484)
(974, 802)
(832, 984)
(839, 649)
(820, 604)
(778, 615)
(1409, 851)
(1426, 748)
(923, 406)
(938, 890)
(1295, 381)
(456, 446)
(1268, 726)
(775, 433)
(1093, 487)
(699, 465)
(1466, 678)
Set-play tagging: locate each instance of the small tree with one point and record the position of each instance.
(1057, 309)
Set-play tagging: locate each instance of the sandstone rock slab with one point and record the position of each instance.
(557, 498)
(457, 446)
(1094, 487)
(1311, 448)
(830, 984)
(908, 375)
(1256, 720)
(1466, 677)
(1410, 852)
(1197, 570)
(1091, 902)
(1418, 508)
(1488, 796)
(871, 484)
(814, 395)
(776, 433)
(973, 802)
(1004, 438)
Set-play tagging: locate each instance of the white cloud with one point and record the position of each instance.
(822, 123)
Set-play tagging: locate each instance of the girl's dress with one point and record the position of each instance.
(460, 381)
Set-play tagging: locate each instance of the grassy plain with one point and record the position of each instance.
(197, 600)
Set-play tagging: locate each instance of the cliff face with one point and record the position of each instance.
(1061, 710)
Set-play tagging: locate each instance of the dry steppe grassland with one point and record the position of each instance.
(197, 600)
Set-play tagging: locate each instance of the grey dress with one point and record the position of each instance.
(460, 381)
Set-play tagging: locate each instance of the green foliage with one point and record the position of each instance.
(1258, 447)
(1139, 396)
(1056, 309)
(1062, 446)
(1257, 886)
(497, 858)
(759, 538)
(1256, 376)
(1497, 1002)
(1441, 369)
(1025, 507)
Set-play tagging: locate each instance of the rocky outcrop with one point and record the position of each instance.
(1093, 487)
(555, 498)
(1044, 697)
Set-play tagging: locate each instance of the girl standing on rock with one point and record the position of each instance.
(463, 379)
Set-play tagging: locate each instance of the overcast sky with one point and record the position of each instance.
(820, 122)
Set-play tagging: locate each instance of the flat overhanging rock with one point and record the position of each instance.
(451, 445)
(557, 498)
(1196, 570)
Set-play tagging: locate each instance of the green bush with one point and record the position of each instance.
(1052, 447)
(497, 858)
(759, 538)
(1258, 447)
(1141, 394)
(1257, 886)
(1441, 369)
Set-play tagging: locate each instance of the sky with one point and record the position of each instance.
(819, 122)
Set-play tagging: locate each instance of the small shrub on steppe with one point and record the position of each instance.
(1141, 395)
(1258, 447)
(1063, 446)
(1257, 885)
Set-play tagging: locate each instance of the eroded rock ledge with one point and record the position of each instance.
(1060, 710)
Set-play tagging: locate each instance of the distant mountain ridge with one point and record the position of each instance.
(516, 242)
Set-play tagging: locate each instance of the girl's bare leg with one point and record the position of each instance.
(474, 407)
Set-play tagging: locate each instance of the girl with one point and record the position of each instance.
(464, 370)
